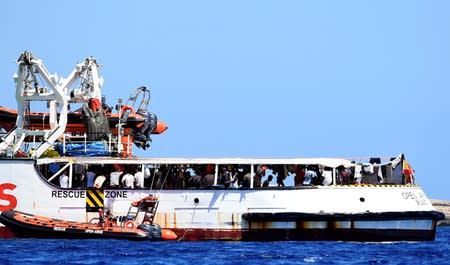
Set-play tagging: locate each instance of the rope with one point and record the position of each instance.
(164, 182)
(162, 185)
(165, 178)
(190, 228)
(153, 179)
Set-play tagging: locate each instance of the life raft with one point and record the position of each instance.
(28, 225)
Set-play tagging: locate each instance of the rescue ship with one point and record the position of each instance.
(69, 170)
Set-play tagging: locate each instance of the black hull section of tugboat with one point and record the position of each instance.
(386, 226)
(335, 234)
(368, 216)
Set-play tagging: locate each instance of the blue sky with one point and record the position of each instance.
(261, 78)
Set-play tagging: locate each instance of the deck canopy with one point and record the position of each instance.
(327, 162)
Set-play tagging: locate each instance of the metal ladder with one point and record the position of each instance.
(148, 206)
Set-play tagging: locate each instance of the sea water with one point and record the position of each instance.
(52, 251)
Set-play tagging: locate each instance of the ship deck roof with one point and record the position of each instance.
(329, 162)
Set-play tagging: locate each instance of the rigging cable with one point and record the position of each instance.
(153, 179)
(190, 227)
(165, 178)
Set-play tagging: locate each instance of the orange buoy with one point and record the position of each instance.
(160, 127)
(167, 234)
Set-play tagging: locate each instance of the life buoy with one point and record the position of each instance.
(130, 224)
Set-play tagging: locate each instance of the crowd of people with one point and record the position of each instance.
(203, 176)
(98, 176)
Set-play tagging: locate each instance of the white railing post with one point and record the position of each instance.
(252, 175)
(70, 175)
(64, 144)
(128, 145)
(216, 174)
(85, 143)
(109, 143)
(334, 177)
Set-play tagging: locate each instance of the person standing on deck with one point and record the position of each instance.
(299, 175)
(114, 177)
(266, 183)
(128, 181)
(258, 177)
(310, 175)
(64, 180)
(99, 180)
(139, 178)
(90, 177)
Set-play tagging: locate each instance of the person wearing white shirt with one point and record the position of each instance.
(128, 181)
(139, 178)
(98, 184)
(64, 180)
(327, 177)
(114, 177)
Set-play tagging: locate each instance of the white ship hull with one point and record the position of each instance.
(363, 213)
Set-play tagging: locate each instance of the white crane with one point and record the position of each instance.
(58, 95)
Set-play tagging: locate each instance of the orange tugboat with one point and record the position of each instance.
(105, 226)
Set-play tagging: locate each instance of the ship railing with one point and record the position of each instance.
(86, 145)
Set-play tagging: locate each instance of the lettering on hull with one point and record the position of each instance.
(116, 194)
(10, 199)
(62, 194)
(92, 231)
(419, 198)
(68, 194)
